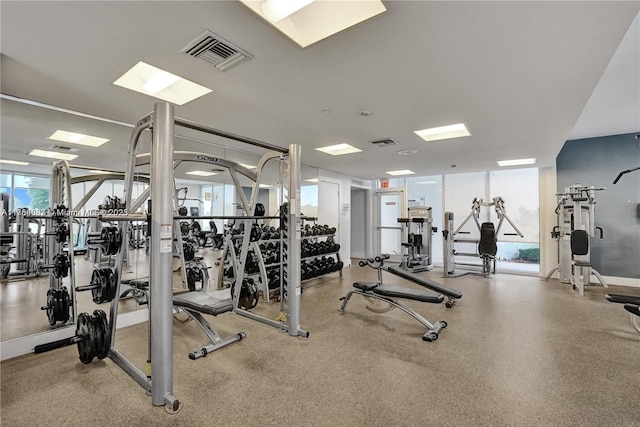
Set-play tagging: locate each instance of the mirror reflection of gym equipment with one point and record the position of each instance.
(485, 246)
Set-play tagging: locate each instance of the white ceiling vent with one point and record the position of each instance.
(217, 51)
(384, 142)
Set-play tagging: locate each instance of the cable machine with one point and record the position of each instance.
(574, 230)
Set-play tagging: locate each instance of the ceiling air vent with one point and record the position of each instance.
(384, 142)
(216, 50)
(64, 149)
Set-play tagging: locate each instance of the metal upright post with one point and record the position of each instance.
(161, 278)
(295, 225)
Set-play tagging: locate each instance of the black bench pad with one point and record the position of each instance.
(452, 293)
(141, 282)
(407, 293)
(365, 286)
(203, 303)
(623, 299)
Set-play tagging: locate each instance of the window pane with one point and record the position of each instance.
(519, 189)
(31, 181)
(309, 200)
(5, 180)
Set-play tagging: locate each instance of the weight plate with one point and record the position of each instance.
(85, 344)
(66, 303)
(102, 349)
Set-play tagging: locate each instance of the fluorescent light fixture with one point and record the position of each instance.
(265, 186)
(14, 162)
(201, 173)
(277, 10)
(339, 149)
(152, 81)
(444, 132)
(307, 22)
(247, 166)
(99, 171)
(516, 162)
(52, 154)
(314, 180)
(426, 182)
(400, 172)
(77, 138)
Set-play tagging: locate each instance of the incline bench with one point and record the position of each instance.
(389, 294)
(451, 294)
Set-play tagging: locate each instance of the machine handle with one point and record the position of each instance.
(601, 231)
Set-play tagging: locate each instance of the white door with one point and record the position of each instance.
(390, 208)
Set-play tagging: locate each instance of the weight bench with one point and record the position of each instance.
(196, 303)
(631, 304)
(138, 288)
(451, 294)
(388, 293)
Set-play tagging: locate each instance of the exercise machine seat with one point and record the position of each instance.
(452, 293)
(203, 303)
(622, 299)
(488, 243)
(365, 286)
(140, 283)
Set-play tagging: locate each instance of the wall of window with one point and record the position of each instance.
(456, 193)
(31, 192)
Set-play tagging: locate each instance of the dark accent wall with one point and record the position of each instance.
(597, 162)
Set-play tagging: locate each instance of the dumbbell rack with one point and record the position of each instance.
(315, 238)
(230, 255)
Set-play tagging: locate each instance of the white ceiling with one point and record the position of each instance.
(524, 76)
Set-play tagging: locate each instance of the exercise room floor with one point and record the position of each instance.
(518, 351)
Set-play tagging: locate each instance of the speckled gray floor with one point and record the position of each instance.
(518, 352)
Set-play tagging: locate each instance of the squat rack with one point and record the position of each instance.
(161, 122)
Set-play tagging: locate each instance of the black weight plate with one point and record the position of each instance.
(103, 346)
(85, 351)
(96, 291)
(66, 303)
(51, 304)
(104, 286)
(112, 284)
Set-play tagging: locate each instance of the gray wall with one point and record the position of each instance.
(597, 161)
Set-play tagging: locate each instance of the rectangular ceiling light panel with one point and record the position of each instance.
(400, 172)
(516, 162)
(311, 21)
(77, 138)
(14, 162)
(52, 154)
(457, 130)
(201, 173)
(152, 81)
(339, 149)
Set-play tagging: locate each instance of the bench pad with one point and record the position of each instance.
(203, 303)
(452, 293)
(407, 293)
(623, 299)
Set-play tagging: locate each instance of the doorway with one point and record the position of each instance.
(390, 207)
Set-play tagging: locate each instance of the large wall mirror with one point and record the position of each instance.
(25, 183)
